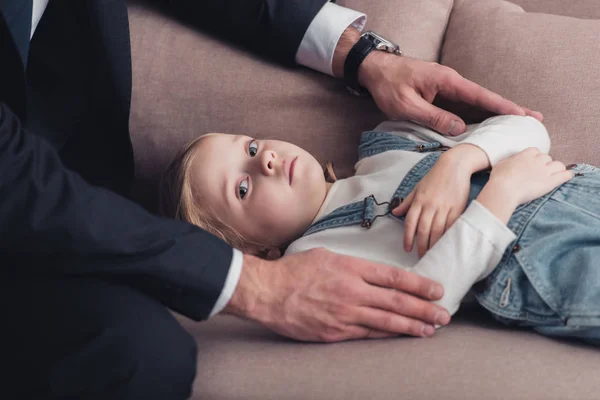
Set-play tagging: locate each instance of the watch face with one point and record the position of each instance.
(373, 38)
(382, 43)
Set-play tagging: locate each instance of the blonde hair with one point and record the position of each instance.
(179, 200)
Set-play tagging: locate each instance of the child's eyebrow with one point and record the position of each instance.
(225, 187)
(237, 138)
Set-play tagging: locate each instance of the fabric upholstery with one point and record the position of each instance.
(588, 9)
(472, 359)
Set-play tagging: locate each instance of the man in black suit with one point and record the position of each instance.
(87, 274)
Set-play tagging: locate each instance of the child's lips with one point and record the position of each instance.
(291, 170)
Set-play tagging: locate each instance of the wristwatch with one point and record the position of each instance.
(368, 42)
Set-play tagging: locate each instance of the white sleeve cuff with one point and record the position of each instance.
(233, 277)
(494, 230)
(505, 135)
(319, 42)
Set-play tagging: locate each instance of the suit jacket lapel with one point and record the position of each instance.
(12, 77)
(110, 26)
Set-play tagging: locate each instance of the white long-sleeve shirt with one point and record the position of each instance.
(315, 51)
(469, 250)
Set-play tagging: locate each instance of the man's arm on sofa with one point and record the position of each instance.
(50, 215)
(271, 27)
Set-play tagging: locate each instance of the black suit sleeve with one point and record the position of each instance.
(272, 27)
(62, 225)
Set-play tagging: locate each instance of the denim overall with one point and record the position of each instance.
(548, 278)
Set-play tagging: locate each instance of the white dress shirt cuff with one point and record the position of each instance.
(233, 277)
(319, 42)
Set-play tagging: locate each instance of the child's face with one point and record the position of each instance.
(267, 190)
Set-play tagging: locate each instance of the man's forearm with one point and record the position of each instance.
(48, 211)
(369, 70)
(245, 300)
(271, 27)
(347, 40)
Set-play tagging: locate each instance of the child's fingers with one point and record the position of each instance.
(535, 114)
(556, 166)
(410, 227)
(544, 158)
(563, 176)
(404, 206)
(437, 229)
(424, 230)
(453, 215)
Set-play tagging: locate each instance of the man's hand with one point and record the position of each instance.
(405, 88)
(326, 297)
(440, 197)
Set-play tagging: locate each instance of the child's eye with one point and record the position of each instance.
(243, 188)
(253, 148)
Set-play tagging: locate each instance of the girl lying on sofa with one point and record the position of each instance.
(515, 229)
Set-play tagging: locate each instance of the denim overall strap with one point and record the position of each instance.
(366, 211)
(416, 174)
(362, 212)
(373, 143)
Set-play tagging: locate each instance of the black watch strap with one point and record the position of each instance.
(355, 57)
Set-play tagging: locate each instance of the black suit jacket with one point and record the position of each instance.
(63, 176)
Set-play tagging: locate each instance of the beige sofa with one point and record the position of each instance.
(186, 83)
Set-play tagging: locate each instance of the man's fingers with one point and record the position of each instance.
(404, 206)
(434, 117)
(461, 89)
(410, 227)
(535, 114)
(361, 332)
(385, 321)
(375, 334)
(458, 88)
(396, 278)
(403, 304)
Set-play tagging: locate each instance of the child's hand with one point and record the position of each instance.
(528, 175)
(440, 197)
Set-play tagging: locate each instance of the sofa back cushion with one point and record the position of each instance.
(589, 9)
(186, 83)
(545, 62)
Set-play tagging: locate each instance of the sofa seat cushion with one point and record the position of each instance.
(548, 63)
(473, 358)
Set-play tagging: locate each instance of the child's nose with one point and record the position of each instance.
(268, 162)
